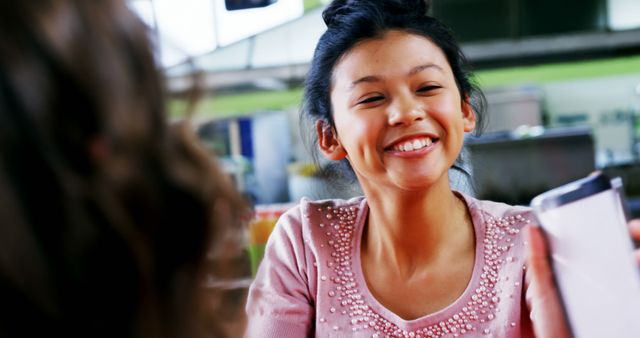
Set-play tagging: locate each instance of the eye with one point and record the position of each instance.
(371, 99)
(428, 88)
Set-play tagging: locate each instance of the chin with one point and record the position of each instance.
(417, 184)
(413, 182)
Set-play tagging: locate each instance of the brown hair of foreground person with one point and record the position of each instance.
(106, 213)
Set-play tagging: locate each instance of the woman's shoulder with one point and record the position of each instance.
(309, 216)
(492, 211)
(304, 234)
(307, 205)
(310, 212)
(501, 210)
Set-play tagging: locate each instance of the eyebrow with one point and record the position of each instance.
(413, 71)
(418, 69)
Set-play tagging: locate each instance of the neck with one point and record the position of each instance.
(409, 230)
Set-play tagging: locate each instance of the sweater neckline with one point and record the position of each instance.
(442, 314)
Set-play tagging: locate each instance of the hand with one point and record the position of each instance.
(547, 314)
(634, 228)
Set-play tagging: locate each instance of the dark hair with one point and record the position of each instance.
(350, 22)
(107, 212)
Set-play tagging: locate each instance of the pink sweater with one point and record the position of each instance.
(310, 282)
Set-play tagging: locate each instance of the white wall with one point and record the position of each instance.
(604, 101)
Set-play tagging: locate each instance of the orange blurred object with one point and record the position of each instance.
(260, 228)
(264, 220)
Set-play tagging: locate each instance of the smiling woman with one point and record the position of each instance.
(389, 95)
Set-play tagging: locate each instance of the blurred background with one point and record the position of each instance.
(562, 79)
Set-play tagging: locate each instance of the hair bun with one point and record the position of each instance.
(334, 11)
(339, 10)
(416, 7)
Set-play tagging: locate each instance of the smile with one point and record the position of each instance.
(412, 145)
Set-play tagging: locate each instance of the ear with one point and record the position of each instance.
(328, 142)
(468, 116)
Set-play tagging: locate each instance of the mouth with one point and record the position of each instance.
(413, 144)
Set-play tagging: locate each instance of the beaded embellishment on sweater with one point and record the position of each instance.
(338, 224)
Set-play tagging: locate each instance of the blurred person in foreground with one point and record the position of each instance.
(106, 212)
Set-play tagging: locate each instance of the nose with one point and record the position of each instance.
(405, 110)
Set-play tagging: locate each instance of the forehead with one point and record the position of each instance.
(394, 52)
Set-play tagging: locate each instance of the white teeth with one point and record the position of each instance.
(413, 145)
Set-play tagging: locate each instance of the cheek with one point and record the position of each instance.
(447, 111)
(353, 129)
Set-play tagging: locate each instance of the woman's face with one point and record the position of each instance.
(398, 113)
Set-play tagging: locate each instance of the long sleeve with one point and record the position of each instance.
(280, 303)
